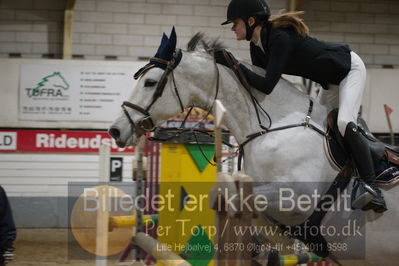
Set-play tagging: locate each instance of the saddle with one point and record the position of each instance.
(386, 163)
(385, 157)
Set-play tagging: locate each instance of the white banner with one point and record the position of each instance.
(57, 92)
(8, 140)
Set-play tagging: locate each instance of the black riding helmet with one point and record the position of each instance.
(247, 8)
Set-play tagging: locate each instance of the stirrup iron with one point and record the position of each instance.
(362, 194)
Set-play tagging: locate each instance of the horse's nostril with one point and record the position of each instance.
(114, 132)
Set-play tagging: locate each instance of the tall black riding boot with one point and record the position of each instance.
(366, 195)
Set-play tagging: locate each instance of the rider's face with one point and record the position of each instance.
(239, 29)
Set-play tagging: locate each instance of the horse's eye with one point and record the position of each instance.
(150, 83)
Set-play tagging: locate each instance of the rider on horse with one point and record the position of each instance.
(282, 45)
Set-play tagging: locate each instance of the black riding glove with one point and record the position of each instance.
(219, 58)
(255, 80)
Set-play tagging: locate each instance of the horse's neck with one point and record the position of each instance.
(286, 105)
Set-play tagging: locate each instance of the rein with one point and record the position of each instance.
(241, 77)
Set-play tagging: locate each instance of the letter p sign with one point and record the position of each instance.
(116, 169)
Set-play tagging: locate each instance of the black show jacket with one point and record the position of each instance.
(289, 53)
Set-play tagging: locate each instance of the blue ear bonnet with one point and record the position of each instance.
(166, 51)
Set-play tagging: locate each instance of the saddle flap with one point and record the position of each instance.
(332, 119)
(392, 158)
(392, 148)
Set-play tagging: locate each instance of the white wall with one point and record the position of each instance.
(129, 29)
(370, 27)
(382, 88)
(39, 185)
(48, 175)
(9, 87)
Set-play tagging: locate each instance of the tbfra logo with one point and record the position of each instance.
(53, 85)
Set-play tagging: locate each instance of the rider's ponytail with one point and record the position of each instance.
(290, 20)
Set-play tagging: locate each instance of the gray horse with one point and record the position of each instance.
(290, 166)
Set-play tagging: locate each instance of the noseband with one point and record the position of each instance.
(147, 124)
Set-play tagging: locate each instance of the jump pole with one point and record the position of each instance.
(158, 250)
(221, 217)
(102, 211)
(219, 111)
(139, 176)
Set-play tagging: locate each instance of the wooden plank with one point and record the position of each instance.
(26, 157)
(68, 30)
(49, 173)
(300, 4)
(158, 250)
(45, 181)
(32, 188)
(295, 5)
(60, 166)
(102, 227)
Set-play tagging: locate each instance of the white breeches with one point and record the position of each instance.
(348, 94)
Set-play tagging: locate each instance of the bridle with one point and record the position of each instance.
(146, 124)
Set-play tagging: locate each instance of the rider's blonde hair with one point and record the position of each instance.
(290, 20)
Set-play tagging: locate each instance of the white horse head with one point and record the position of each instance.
(152, 100)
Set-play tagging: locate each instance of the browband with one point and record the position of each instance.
(156, 62)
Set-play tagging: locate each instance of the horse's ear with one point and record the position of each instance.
(173, 39)
(165, 39)
(164, 43)
(168, 46)
(171, 45)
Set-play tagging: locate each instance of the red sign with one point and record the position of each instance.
(56, 141)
